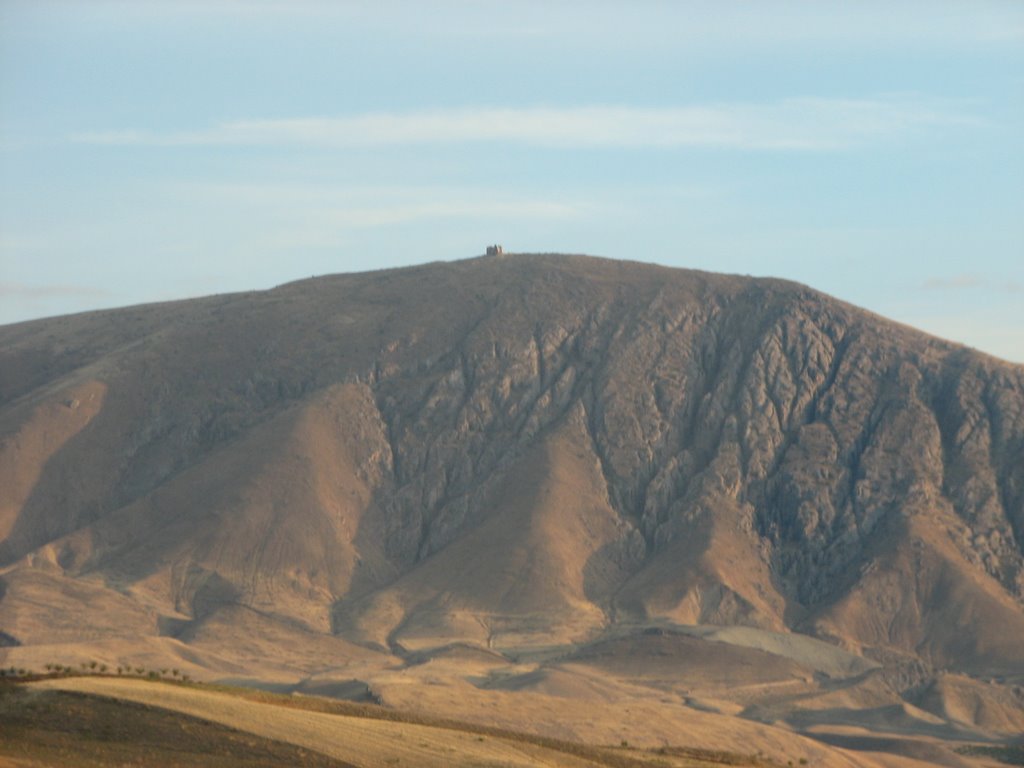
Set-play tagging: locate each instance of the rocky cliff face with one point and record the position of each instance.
(525, 447)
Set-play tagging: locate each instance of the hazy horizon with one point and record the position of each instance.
(171, 150)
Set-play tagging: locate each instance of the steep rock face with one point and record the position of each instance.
(526, 446)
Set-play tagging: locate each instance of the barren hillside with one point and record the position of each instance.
(521, 453)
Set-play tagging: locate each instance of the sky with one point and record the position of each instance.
(872, 150)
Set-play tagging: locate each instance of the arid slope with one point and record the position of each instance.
(526, 454)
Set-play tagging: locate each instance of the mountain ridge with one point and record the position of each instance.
(518, 452)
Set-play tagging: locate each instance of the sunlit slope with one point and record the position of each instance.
(380, 739)
(526, 454)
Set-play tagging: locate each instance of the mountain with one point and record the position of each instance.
(514, 453)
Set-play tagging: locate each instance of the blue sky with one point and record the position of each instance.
(155, 150)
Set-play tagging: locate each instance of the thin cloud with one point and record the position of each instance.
(952, 283)
(315, 215)
(792, 124)
(330, 225)
(706, 25)
(971, 282)
(397, 214)
(429, 199)
(996, 330)
(15, 290)
(365, 207)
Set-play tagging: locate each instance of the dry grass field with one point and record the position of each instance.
(100, 721)
(40, 727)
(107, 720)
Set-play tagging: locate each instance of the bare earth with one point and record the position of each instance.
(593, 500)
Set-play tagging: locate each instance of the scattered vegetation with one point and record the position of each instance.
(719, 757)
(1009, 755)
(92, 668)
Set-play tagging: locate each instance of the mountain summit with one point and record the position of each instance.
(514, 452)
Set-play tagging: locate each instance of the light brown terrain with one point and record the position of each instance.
(130, 719)
(595, 500)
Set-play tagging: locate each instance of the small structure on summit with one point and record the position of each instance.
(495, 250)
